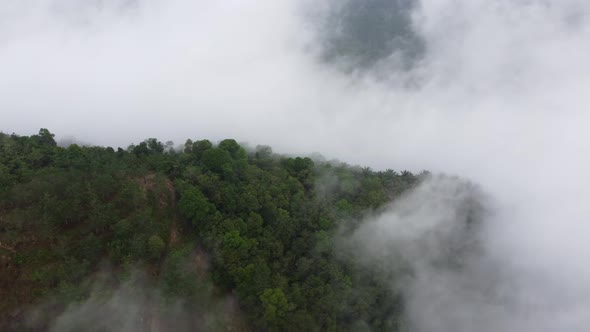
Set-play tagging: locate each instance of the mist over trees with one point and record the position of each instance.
(167, 233)
(491, 90)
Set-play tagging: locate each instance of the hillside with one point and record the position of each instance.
(239, 239)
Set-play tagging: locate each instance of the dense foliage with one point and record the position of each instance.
(204, 221)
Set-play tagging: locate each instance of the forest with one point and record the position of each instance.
(200, 226)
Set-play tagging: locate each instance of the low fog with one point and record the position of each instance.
(495, 91)
(135, 304)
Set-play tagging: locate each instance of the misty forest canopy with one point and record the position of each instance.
(199, 225)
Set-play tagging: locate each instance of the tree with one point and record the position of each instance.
(234, 149)
(5, 178)
(216, 160)
(195, 206)
(275, 307)
(188, 146)
(199, 147)
(140, 150)
(155, 247)
(46, 138)
(155, 146)
(263, 152)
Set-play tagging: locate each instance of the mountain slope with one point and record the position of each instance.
(192, 231)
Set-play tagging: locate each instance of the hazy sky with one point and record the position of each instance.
(500, 95)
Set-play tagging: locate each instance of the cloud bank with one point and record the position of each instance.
(499, 94)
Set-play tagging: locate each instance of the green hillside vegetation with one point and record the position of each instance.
(211, 221)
